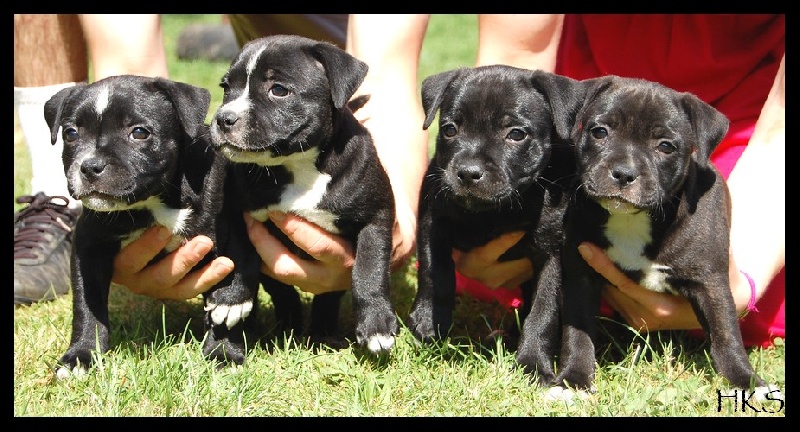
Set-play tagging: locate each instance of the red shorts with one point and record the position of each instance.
(758, 328)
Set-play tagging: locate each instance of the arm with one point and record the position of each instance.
(391, 46)
(758, 228)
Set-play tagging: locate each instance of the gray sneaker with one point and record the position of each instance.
(42, 243)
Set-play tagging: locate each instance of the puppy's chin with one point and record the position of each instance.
(266, 157)
(101, 202)
(104, 203)
(474, 204)
(238, 156)
(618, 206)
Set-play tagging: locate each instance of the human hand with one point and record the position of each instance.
(642, 309)
(482, 265)
(332, 270)
(171, 277)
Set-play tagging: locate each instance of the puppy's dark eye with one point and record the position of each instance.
(70, 134)
(226, 89)
(279, 90)
(140, 133)
(666, 147)
(449, 131)
(516, 135)
(598, 132)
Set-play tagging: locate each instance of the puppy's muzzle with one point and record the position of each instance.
(92, 168)
(624, 175)
(620, 187)
(469, 175)
(226, 120)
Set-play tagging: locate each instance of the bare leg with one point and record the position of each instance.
(49, 54)
(125, 44)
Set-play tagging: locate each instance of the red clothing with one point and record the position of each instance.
(728, 60)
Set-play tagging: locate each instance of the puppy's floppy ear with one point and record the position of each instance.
(432, 91)
(190, 102)
(53, 109)
(345, 73)
(710, 126)
(589, 89)
(565, 96)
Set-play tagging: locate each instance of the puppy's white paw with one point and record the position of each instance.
(771, 391)
(380, 343)
(557, 393)
(229, 314)
(64, 372)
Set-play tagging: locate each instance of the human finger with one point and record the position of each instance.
(601, 263)
(497, 274)
(280, 263)
(135, 256)
(317, 242)
(482, 256)
(168, 271)
(625, 306)
(197, 281)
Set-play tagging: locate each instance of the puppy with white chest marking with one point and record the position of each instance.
(502, 163)
(649, 195)
(135, 154)
(296, 147)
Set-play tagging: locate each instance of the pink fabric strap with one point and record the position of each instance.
(751, 305)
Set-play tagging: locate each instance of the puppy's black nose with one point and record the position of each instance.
(226, 119)
(624, 174)
(469, 174)
(93, 168)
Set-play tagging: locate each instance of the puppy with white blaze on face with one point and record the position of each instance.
(135, 155)
(296, 147)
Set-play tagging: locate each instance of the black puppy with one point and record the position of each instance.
(134, 155)
(501, 164)
(297, 147)
(650, 197)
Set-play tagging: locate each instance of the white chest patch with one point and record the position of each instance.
(174, 219)
(303, 196)
(629, 234)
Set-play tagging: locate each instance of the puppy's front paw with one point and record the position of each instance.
(770, 392)
(760, 394)
(223, 349)
(73, 363)
(422, 329)
(558, 393)
(228, 314)
(380, 343)
(377, 333)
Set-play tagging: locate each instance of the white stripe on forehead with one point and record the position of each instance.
(242, 103)
(101, 102)
(253, 60)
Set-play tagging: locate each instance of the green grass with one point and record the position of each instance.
(156, 368)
